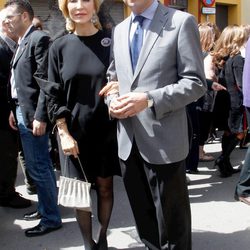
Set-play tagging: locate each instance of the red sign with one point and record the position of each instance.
(208, 3)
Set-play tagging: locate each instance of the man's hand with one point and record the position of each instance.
(128, 105)
(39, 128)
(12, 121)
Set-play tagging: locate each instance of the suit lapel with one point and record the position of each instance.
(125, 52)
(158, 23)
(22, 47)
(20, 51)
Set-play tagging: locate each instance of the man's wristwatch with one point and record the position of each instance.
(150, 100)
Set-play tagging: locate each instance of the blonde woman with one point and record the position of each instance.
(77, 67)
(228, 59)
(209, 33)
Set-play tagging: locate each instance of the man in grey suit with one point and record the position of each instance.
(151, 108)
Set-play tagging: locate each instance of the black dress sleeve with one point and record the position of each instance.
(238, 66)
(55, 96)
(53, 88)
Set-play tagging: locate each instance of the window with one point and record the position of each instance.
(179, 4)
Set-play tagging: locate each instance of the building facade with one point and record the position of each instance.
(222, 12)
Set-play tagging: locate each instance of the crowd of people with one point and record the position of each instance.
(224, 107)
(221, 108)
(115, 109)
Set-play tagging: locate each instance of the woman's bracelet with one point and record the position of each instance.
(58, 124)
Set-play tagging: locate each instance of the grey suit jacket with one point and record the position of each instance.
(170, 68)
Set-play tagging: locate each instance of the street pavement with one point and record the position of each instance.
(218, 221)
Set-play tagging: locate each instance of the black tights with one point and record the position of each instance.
(104, 189)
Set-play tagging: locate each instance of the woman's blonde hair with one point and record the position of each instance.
(229, 44)
(207, 37)
(70, 25)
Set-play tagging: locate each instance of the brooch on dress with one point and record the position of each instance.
(105, 42)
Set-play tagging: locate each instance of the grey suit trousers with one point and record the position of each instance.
(159, 200)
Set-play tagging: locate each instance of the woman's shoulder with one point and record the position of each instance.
(235, 61)
(238, 58)
(65, 41)
(64, 38)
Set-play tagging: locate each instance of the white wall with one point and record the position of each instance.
(245, 8)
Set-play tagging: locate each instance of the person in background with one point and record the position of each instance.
(159, 70)
(37, 23)
(8, 138)
(104, 16)
(77, 71)
(30, 185)
(208, 36)
(200, 111)
(242, 190)
(227, 57)
(244, 143)
(31, 113)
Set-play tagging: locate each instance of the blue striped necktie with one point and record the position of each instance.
(137, 41)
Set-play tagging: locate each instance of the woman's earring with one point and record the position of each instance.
(69, 22)
(94, 18)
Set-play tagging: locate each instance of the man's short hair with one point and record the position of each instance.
(22, 6)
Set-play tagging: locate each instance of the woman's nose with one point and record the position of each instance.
(79, 4)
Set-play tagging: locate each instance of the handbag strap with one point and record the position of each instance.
(82, 169)
(67, 158)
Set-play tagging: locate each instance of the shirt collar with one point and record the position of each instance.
(25, 34)
(149, 12)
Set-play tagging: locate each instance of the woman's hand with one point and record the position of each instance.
(68, 143)
(217, 87)
(111, 88)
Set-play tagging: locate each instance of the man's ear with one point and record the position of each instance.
(26, 17)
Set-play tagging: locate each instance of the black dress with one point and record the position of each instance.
(228, 108)
(77, 69)
(222, 103)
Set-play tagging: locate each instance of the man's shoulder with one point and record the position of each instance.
(4, 48)
(37, 35)
(2, 42)
(178, 14)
